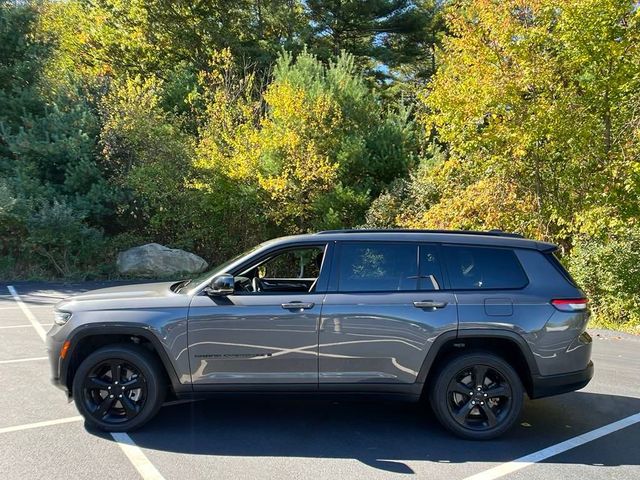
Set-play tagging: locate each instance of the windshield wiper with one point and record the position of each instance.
(181, 285)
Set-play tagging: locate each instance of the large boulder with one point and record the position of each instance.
(155, 260)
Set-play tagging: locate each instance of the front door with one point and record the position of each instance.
(266, 332)
(390, 303)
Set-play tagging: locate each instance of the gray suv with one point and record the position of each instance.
(468, 321)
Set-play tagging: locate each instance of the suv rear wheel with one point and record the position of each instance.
(119, 388)
(477, 396)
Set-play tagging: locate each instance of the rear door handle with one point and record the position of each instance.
(297, 305)
(429, 304)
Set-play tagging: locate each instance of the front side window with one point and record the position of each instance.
(378, 267)
(479, 268)
(222, 268)
(294, 270)
(299, 263)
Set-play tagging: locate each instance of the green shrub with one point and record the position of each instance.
(408, 198)
(608, 269)
(69, 247)
(12, 226)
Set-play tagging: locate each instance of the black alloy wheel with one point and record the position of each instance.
(479, 398)
(119, 387)
(114, 391)
(477, 395)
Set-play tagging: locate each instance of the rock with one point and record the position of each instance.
(155, 260)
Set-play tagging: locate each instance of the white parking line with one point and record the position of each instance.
(27, 312)
(47, 423)
(18, 360)
(25, 325)
(540, 455)
(32, 306)
(135, 455)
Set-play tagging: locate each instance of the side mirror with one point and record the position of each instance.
(222, 285)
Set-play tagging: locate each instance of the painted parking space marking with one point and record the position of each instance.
(540, 455)
(24, 325)
(134, 453)
(137, 457)
(48, 423)
(31, 307)
(34, 321)
(19, 360)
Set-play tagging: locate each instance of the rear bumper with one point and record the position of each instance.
(548, 385)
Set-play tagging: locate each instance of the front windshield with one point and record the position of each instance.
(195, 281)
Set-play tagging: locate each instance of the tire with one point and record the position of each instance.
(119, 388)
(474, 413)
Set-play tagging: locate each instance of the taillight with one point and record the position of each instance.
(570, 304)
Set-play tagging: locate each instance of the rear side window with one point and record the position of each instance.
(480, 268)
(378, 267)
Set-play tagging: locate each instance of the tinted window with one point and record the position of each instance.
(377, 267)
(555, 261)
(295, 270)
(298, 263)
(430, 271)
(482, 268)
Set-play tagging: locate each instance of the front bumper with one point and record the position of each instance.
(55, 362)
(548, 385)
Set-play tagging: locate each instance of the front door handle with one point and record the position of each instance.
(429, 304)
(297, 305)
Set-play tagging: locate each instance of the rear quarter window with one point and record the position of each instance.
(557, 264)
(483, 268)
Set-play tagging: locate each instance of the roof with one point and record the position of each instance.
(496, 233)
(466, 237)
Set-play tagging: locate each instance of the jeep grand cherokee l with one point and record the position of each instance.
(469, 321)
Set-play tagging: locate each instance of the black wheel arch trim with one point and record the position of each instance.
(504, 335)
(137, 330)
(435, 348)
(475, 333)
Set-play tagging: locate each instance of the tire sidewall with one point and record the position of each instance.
(439, 400)
(149, 368)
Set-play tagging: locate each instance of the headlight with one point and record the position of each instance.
(61, 317)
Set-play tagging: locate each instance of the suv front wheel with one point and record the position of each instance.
(477, 396)
(118, 388)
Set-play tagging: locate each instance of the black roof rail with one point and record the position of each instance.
(494, 233)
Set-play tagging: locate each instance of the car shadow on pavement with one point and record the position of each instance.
(381, 434)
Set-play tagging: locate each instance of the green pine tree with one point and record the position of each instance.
(388, 37)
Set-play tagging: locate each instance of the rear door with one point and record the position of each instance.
(386, 304)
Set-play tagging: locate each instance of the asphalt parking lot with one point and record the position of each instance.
(42, 436)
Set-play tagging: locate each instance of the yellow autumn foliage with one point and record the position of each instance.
(485, 205)
(282, 153)
(535, 94)
(291, 140)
